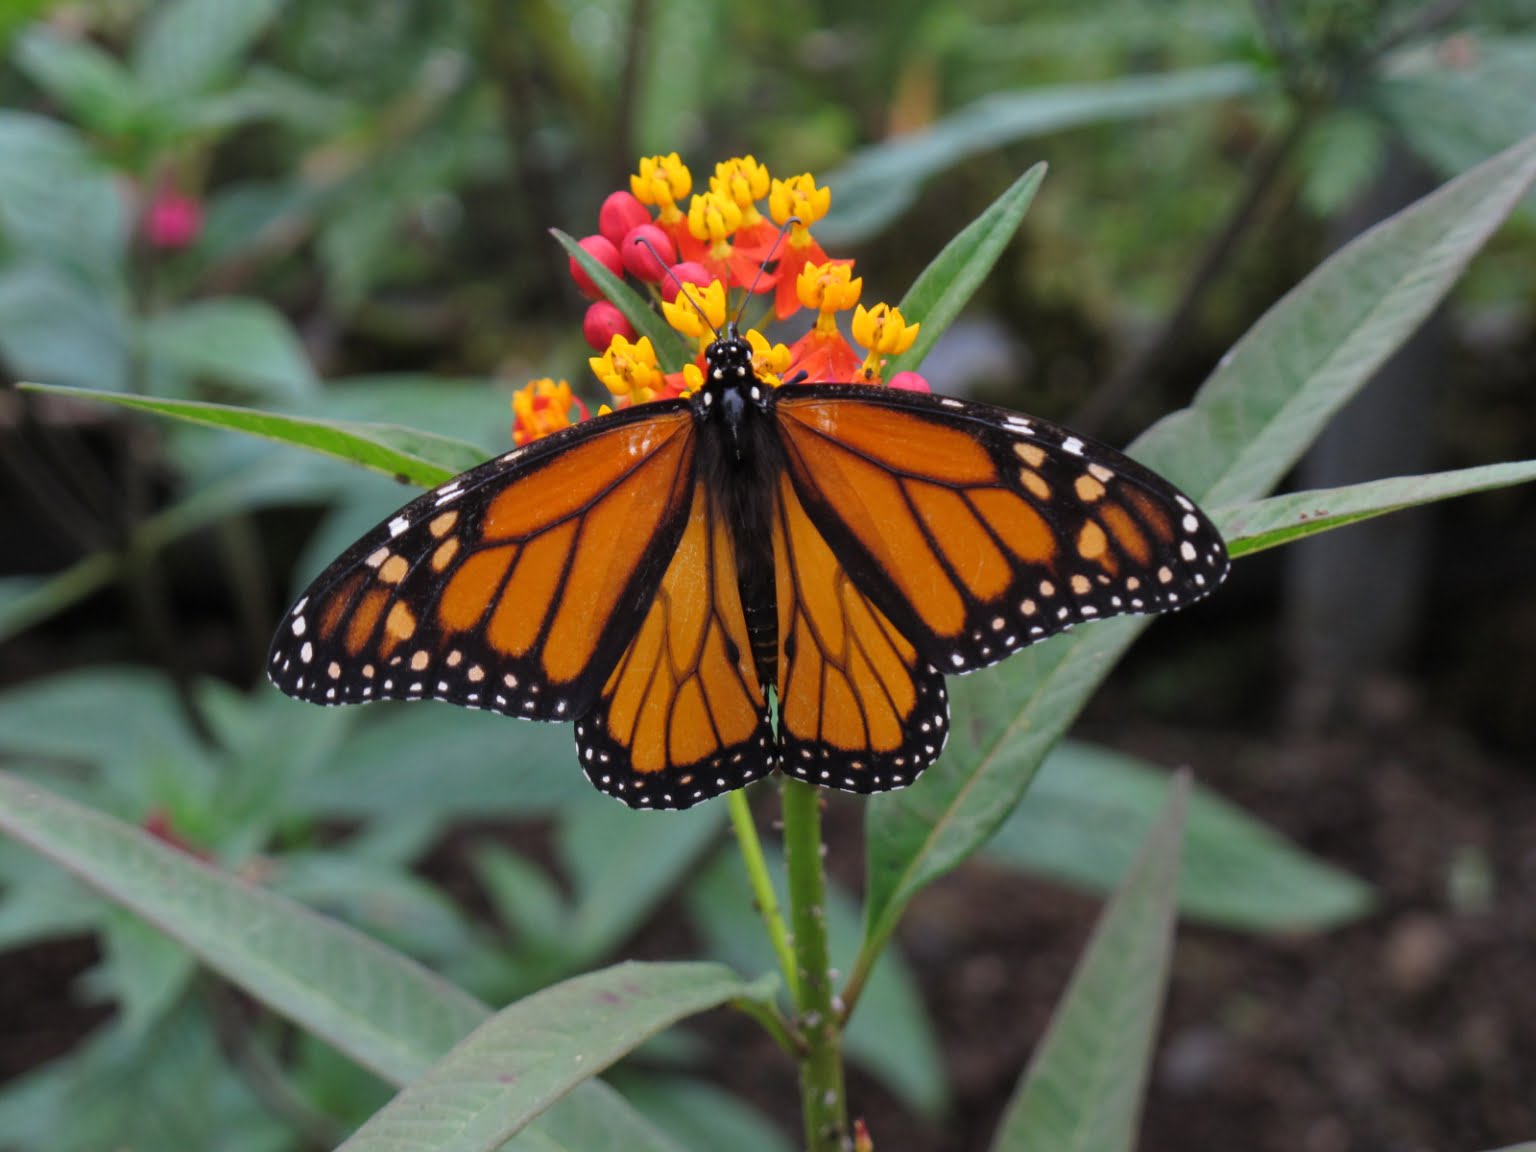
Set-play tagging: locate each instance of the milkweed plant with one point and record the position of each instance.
(474, 1075)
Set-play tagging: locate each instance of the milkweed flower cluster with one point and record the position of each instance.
(744, 241)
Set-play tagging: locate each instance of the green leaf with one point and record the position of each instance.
(880, 182)
(1263, 524)
(56, 326)
(417, 457)
(622, 867)
(1340, 156)
(671, 351)
(383, 1010)
(529, 1055)
(1082, 1091)
(45, 907)
(235, 341)
(91, 85)
(389, 903)
(948, 283)
(171, 1087)
(57, 200)
(1088, 807)
(1250, 422)
(144, 971)
(386, 1012)
(132, 713)
(1281, 383)
(1456, 113)
(499, 766)
(594, 1119)
(524, 896)
(185, 47)
(702, 1116)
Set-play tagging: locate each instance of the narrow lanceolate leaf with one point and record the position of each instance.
(421, 458)
(1263, 524)
(1083, 1089)
(379, 1007)
(1251, 421)
(880, 182)
(947, 285)
(529, 1055)
(669, 346)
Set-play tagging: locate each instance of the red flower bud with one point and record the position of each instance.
(688, 272)
(641, 262)
(620, 215)
(602, 323)
(172, 220)
(909, 382)
(605, 254)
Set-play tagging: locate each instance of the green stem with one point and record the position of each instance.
(822, 1096)
(773, 1023)
(863, 965)
(762, 889)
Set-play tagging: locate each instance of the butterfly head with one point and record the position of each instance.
(728, 361)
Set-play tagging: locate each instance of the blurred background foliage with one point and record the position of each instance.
(340, 208)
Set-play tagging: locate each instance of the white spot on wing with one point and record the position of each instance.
(398, 525)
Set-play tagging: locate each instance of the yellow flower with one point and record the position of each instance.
(770, 360)
(629, 369)
(693, 379)
(829, 287)
(743, 181)
(798, 196)
(684, 316)
(713, 217)
(661, 182)
(882, 330)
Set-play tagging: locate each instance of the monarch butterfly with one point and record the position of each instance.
(653, 574)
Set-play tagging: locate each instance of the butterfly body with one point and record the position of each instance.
(666, 575)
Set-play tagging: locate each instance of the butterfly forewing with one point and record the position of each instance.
(513, 587)
(859, 708)
(682, 717)
(979, 531)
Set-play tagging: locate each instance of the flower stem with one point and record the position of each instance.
(822, 1096)
(762, 890)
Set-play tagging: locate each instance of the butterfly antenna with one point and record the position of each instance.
(767, 262)
(682, 289)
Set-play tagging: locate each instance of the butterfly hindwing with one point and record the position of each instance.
(860, 708)
(979, 531)
(683, 717)
(513, 587)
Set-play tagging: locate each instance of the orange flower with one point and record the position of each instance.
(542, 407)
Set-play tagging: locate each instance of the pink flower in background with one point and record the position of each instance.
(173, 220)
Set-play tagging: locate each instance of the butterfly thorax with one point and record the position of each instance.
(740, 461)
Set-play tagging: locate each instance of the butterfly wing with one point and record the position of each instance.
(978, 531)
(682, 717)
(860, 708)
(513, 587)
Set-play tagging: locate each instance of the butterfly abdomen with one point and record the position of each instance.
(740, 460)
